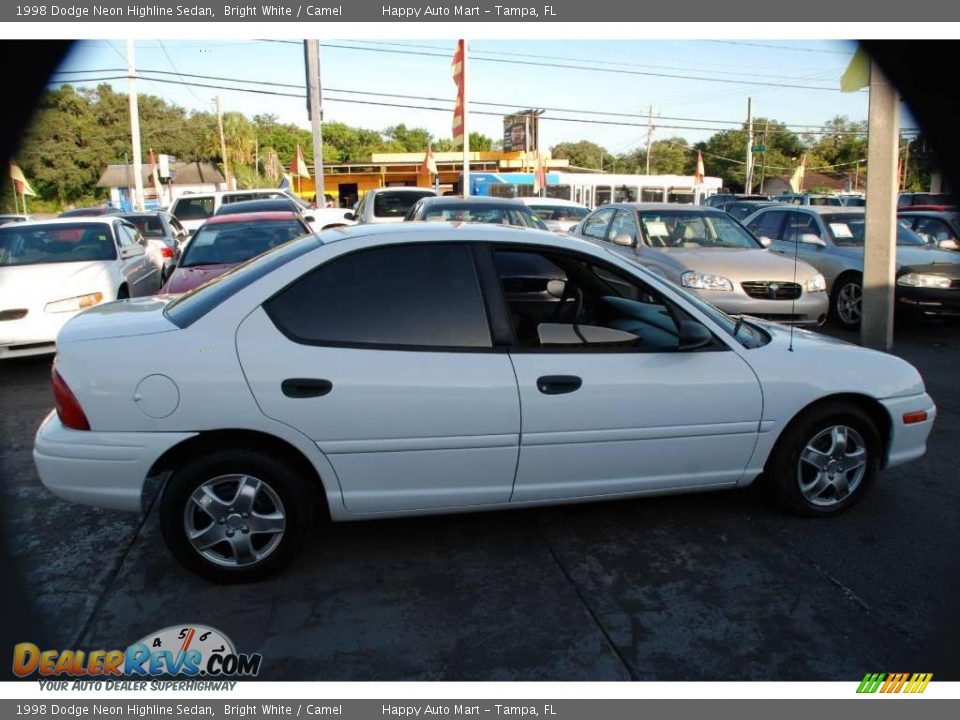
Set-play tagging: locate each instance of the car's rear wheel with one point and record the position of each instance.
(825, 460)
(848, 302)
(235, 515)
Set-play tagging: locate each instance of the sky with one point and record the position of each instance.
(602, 77)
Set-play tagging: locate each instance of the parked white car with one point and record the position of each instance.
(383, 371)
(558, 214)
(51, 270)
(387, 205)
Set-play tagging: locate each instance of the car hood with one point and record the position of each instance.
(738, 264)
(187, 278)
(792, 355)
(910, 255)
(23, 285)
(121, 318)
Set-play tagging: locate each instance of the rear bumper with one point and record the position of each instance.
(103, 469)
(908, 442)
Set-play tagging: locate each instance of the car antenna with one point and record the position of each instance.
(793, 301)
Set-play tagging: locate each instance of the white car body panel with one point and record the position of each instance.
(422, 432)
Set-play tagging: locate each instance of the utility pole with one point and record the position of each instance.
(650, 128)
(223, 145)
(763, 154)
(135, 130)
(906, 161)
(748, 176)
(879, 265)
(315, 111)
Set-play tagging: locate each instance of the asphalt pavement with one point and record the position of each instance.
(714, 586)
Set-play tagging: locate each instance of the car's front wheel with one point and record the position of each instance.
(848, 302)
(825, 460)
(235, 515)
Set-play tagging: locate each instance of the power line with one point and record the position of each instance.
(781, 47)
(170, 60)
(786, 127)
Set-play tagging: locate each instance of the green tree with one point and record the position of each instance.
(583, 154)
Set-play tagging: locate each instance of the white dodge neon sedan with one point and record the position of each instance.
(429, 368)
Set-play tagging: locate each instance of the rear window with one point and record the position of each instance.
(236, 242)
(519, 216)
(396, 204)
(186, 309)
(559, 213)
(148, 225)
(49, 244)
(193, 208)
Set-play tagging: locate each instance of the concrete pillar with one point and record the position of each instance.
(879, 259)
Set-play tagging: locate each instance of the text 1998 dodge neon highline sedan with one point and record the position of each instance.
(427, 368)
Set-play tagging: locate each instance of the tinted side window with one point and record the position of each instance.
(405, 295)
(595, 226)
(767, 224)
(124, 235)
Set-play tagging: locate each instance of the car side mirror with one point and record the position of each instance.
(624, 240)
(349, 216)
(309, 219)
(765, 241)
(812, 239)
(693, 335)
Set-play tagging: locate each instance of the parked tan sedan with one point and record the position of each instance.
(708, 252)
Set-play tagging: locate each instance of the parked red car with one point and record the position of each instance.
(228, 240)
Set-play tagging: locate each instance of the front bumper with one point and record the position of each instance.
(929, 301)
(808, 309)
(908, 442)
(33, 334)
(103, 469)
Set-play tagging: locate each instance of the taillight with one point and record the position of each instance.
(166, 252)
(68, 409)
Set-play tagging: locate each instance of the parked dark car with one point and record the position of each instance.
(97, 211)
(277, 204)
(721, 200)
(940, 228)
(909, 199)
(929, 290)
(494, 211)
(742, 209)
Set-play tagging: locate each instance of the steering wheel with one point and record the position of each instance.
(568, 291)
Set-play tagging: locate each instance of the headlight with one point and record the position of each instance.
(816, 284)
(924, 281)
(73, 304)
(705, 281)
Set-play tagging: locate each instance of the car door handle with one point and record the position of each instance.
(558, 384)
(305, 387)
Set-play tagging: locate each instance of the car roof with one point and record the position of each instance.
(252, 217)
(400, 188)
(83, 219)
(455, 231)
(271, 202)
(145, 213)
(663, 207)
(472, 200)
(548, 201)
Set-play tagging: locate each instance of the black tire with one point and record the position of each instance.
(282, 482)
(848, 283)
(783, 471)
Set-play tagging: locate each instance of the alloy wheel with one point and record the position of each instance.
(234, 520)
(849, 303)
(832, 465)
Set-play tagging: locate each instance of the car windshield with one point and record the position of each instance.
(559, 213)
(849, 231)
(148, 225)
(227, 243)
(679, 229)
(48, 244)
(396, 204)
(480, 213)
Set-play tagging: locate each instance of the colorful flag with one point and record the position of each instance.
(20, 181)
(429, 166)
(286, 183)
(857, 74)
(796, 182)
(539, 175)
(456, 68)
(698, 173)
(299, 166)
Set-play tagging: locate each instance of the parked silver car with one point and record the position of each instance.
(705, 250)
(831, 239)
